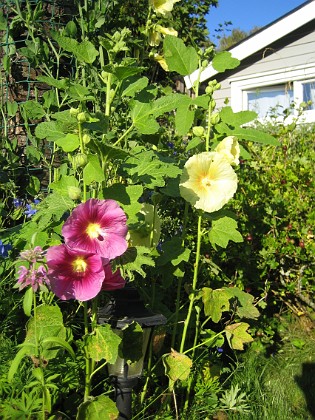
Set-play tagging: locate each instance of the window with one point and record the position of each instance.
(309, 93)
(265, 99)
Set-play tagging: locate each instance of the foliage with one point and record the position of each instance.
(105, 129)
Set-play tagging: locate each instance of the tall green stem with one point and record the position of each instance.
(192, 295)
(88, 370)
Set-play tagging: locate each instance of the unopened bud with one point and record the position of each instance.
(86, 138)
(198, 131)
(215, 118)
(82, 117)
(74, 193)
(79, 160)
(74, 112)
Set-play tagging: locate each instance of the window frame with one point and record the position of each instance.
(295, 76)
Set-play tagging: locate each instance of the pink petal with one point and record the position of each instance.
(111, 242)
(65, 282)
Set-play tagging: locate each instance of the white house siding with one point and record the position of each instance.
(295, 51)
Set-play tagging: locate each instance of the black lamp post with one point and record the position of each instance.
(125, 307)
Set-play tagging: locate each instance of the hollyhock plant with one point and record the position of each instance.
(97, 227)
(230, 149)
(163, 7)
(208, 181)
(112, 281)
(74, 274)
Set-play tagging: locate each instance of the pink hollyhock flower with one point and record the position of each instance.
(112, 280)
(97, 226)
(74, 274)
(34, 277)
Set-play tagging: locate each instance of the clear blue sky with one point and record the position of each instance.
(245, 14)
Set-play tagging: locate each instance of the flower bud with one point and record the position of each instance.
(86, 138)
(74, 111)
(74, 192)
(215, 118)
(198, 131)
(79, 160)
(82, 117)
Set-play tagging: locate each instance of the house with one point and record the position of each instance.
(277, 67)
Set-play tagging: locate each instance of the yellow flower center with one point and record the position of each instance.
(79, 265)
(93, 230)
(205, 181)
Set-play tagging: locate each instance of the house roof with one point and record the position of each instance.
(277, 29)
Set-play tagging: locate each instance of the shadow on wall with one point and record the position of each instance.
(307, 384)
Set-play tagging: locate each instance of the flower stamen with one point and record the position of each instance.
(79, 265)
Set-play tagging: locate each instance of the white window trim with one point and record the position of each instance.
(296, 76)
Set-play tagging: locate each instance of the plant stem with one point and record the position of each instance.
(192, 296)
(87, 387)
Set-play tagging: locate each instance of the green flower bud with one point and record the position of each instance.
(79, 160)
(74, 111)
(86, 138)
(215, 118)
(82, 117)
(204, 63)
(74, 193)
(198, 131)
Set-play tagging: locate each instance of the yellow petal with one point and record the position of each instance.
(230, 149)
(208, 181)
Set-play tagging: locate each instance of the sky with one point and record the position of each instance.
(246, 14)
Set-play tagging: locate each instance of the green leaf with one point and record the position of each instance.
(184, 60)
(86, 52)
(47, 323)
(177, 366)
(98, 408)
(150, 168)
(168, 103)
(93, 171)
(61, 84)
(194, 142)
(33, 185)
(133, 85)
(32, 110)
(215, 302)
(236, 118)
(184, 119)
(12, 108)
(28, 301)
(174, 252)
(122, 72)
(103, 344)
(224, 230)
(69, 143)
(58, 342)
(246, 308)
(134, 258)
(65, 182)
(142, 118)
(237, 335)
(131, 347)
(224, 61)
(49, 130)
(25, 350)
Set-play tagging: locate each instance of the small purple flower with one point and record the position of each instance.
(34, 277)
(170, 145)
(220, 350)
(17, 202)
(30, 209)
(4, 248)
(32, 255)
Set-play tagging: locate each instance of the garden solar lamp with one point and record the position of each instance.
(124, 308)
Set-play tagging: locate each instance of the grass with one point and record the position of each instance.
(282, 386)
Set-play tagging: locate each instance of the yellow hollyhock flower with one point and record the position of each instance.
(208, 181)
(162, 7)
(161, 60)
(166, 31)
(230, 149)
